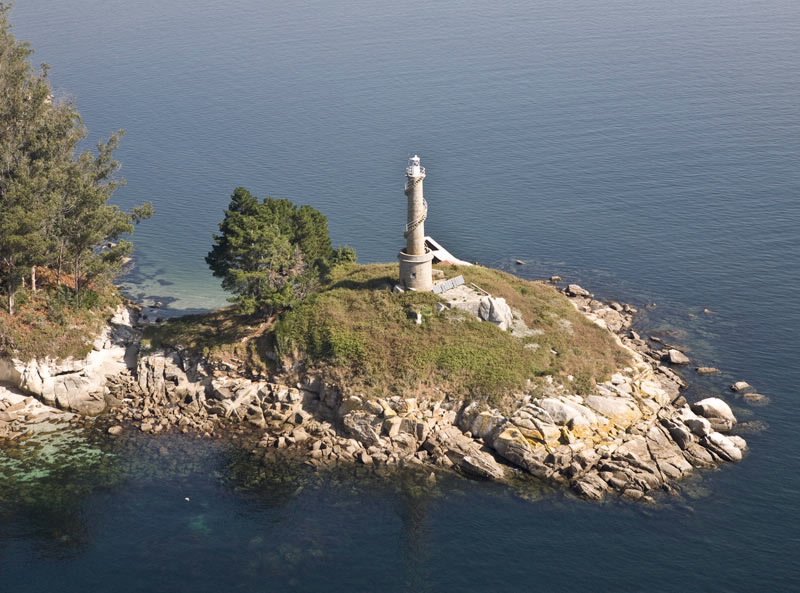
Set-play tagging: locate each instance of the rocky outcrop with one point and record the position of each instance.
(633, 435)
(496, 310)
(629, 437)
(22, 415)
(84, 386)
(675, 356)
(717, 412)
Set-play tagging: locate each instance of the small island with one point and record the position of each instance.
(436, 364)
(430, 363)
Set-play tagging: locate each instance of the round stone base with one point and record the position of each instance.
(416, 272)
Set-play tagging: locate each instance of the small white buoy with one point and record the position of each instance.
(186, 499)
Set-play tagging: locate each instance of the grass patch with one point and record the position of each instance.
(358, 332)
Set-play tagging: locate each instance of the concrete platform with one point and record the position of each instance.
(441, 255)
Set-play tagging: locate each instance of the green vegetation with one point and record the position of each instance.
(272, 254)
(54, 210)
(357, 332)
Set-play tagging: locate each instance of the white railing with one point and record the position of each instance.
(420, 219)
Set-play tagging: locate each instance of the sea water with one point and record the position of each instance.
(648, 150)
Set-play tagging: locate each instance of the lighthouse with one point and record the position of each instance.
(415, 260)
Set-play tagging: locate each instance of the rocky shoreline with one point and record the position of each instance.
(634, 435)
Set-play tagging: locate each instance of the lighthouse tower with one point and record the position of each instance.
(415, 260)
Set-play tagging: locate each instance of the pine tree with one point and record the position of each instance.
(54, 208)
(272, 253)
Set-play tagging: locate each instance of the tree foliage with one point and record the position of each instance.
(272, 253)
(54, 208)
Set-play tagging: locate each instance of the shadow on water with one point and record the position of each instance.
(144, 289)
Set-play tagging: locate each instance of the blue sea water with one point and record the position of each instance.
(648, 150)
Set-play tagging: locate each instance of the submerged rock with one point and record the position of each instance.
(756, 399)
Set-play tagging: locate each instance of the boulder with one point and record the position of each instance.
(392, 425)
(699, 456)
(537, 430)
(717, 412)
(613, 319)
(577, 291)
(220, 388)
(756, 399)
(512, 446)
(677, 357)
(421, 430)
(698, 425)
(373, 407)
(495, 310)
(255, 416)
(679, 432)
(618, 379)
(72, 394)
(485, 423)
(722, 446)
(591, 486)
(740, 386)
(360, 426)
(481, 466)
(740, 443)
(633, 463)
(653, 390)
(300, 435)
(349, 404)
(667, 454)
(578, 418)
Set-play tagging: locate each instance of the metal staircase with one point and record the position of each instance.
(420, 219)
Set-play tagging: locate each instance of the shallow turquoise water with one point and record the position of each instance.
(647, 150)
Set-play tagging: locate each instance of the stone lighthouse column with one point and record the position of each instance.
(415, 260)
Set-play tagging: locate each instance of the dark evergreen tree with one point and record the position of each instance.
(54, 208)
(272, 253)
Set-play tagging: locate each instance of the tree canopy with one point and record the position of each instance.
(54, 200)
(272, 253)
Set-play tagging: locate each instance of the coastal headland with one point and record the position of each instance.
(498, 378)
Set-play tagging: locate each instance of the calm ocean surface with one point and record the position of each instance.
(648, 150)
